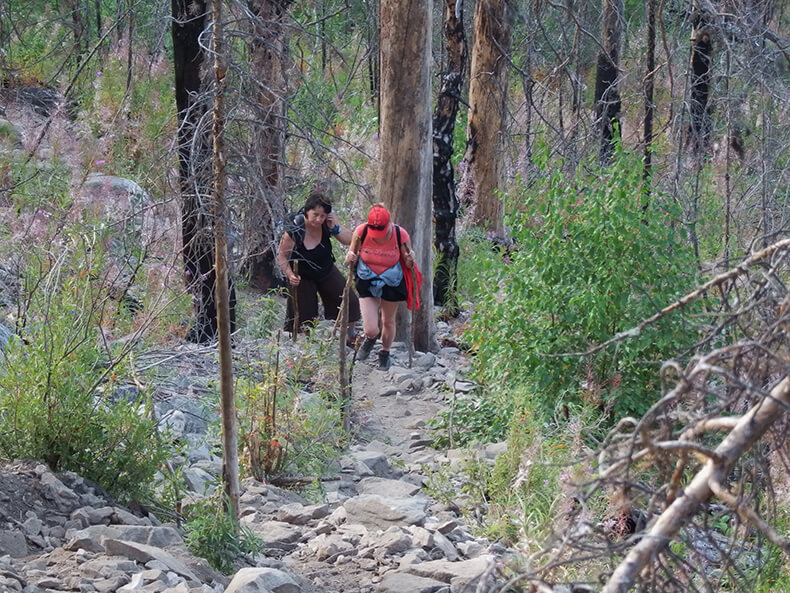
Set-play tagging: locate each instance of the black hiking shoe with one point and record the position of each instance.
(385, 362)
(364, 350)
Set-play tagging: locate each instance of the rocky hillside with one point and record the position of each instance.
(376, 529)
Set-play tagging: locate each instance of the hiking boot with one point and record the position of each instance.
(385, 362)
(364, 350)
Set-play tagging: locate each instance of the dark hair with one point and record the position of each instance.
(317, 200)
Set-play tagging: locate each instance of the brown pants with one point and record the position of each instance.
(331, 291)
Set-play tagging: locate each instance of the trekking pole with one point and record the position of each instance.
(345, 378)
(411, 317)
(296, 304)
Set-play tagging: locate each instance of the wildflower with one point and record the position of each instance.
(100, 162)
(98, 73)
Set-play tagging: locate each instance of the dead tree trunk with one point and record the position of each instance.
(650, 107)
(266, 205)
(700, 113)
(445, 200)
(607, 95)
(406, 147)
(194, 156)
(487, 98)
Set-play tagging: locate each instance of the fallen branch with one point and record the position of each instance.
(748, 430)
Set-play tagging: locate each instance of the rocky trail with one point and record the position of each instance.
(375, 530)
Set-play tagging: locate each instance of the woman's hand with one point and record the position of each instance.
(351, 258)
(293, 279)
(331, 220)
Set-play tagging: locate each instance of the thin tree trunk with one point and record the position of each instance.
(374, 56)
(445, 200)
(230, 448)
(129, 65)
(650, 107)
(406, 147)
(487, 99)
(77, 27)
(607, 95)
(97, 5)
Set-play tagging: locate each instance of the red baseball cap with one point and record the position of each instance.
(378, 222)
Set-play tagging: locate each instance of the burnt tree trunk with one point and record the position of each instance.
(267, 203)
(607, 94)
(445, 200)
(374, 64)
(650, 107)
(699, 97)
(487, 97)
(194, 159)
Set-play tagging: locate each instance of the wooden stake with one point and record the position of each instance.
(345, 379)
(411, 316)
(296, 304)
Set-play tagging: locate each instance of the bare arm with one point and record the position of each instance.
(345, 235)
(353, 250)
(407, 254)
(283, 253)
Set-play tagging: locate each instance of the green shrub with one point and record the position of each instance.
(212, 533)
(471, 418)
(56, 385)
(588, 263)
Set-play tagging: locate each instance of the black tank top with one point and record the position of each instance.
(316, 263)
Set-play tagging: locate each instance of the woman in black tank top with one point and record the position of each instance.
(305, 257)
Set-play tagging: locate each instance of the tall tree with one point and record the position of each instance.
(445, 199)
(406, 147)
(194, 158)
(267, 206)
(607, 94)
(487, 98)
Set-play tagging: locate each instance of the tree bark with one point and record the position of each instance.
(700, 113)
(406, 147)
(487, 97)
(267, 205)
(230, 447)
(194, 158)
(607, 94)
(650, 107)
(445, 199)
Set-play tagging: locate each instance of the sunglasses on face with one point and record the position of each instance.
(377, 227)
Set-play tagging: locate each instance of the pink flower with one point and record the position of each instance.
(100, 162)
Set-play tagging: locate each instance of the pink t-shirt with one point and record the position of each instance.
(380, 256)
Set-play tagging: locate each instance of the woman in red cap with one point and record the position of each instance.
(377, 248)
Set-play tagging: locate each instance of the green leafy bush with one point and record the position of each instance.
(588, 263)
(56, 385)
(212, 533)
